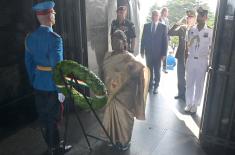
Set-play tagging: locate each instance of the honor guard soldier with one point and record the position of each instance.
(121, 23)
(43, 50)
(199, 44)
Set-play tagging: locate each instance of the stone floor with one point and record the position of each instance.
(167, 130)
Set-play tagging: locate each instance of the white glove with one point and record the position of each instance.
(61, 97)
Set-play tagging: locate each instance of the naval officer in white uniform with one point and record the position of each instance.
(199, 39)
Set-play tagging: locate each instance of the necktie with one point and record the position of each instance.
(153, 27)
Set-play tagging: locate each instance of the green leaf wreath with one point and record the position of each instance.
(86, 78)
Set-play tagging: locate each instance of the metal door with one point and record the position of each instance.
(218, 120)
(71, 25)
(16, 21)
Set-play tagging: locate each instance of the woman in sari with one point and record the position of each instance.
(127, 82)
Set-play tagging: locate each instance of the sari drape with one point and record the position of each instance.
(127, 82)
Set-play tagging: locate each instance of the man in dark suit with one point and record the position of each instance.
(154, 44)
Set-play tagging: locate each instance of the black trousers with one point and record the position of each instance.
(164, 63)
(154, 66)
(181, 76)
(49, 109)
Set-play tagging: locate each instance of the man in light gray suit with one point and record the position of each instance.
(154, 44)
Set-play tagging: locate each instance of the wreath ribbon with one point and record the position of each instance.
(84, 77)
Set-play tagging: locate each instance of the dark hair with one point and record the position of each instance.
(119, 34)
(118, 38)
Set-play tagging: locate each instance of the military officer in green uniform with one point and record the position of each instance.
(180, 29)
(121, 23)
(43, 50)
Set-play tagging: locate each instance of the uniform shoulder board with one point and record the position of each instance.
(55, 34)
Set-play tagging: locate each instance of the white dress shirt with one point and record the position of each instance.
(156, 24)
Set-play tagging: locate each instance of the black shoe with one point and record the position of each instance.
(180, 97)
(165, 71)
(125, 147)
(121, 147)
(155, 91)
(66, 148)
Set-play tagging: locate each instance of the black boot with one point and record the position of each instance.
(64, 148)
(155, 90)
(53, 151)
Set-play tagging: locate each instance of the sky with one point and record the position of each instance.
(146, 4)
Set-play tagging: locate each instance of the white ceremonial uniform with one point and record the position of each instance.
(197, 63)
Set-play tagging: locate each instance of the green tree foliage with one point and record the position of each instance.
(154, 7)
(174, 42)
(177, 10)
